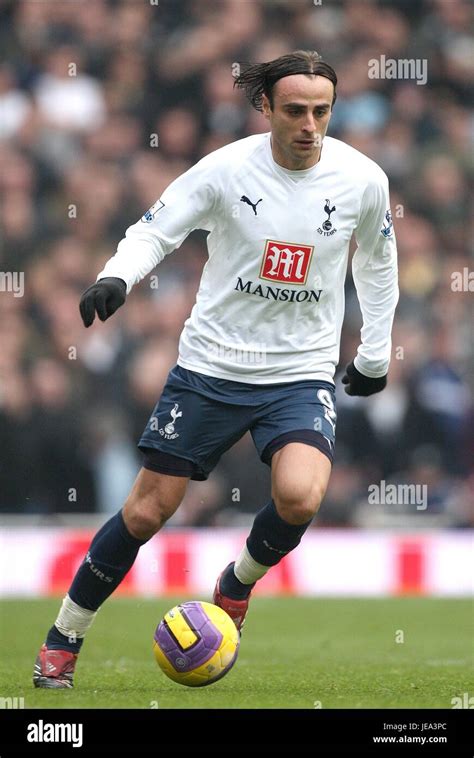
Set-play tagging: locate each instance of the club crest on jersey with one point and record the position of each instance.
(326, 228)
(148, 217)
(286, 262)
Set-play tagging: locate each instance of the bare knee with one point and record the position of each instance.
(152, 501)
(142, 518)
(300, 475)
(298, 504)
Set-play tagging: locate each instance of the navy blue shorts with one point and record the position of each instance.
(198, 418)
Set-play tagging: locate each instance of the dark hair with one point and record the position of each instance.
(258, 78)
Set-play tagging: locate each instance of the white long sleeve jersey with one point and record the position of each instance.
(270, 304)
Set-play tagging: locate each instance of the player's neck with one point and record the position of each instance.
(291, 164)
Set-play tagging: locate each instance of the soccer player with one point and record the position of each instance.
(260, 348)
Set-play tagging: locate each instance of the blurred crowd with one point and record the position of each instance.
(102, 104)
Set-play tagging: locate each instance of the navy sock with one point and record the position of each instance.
(111, 555)
(232, 587)
(271, 537)
(55, 640)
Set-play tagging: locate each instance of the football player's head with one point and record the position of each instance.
(296, 93)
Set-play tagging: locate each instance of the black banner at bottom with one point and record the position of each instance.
(217, 732)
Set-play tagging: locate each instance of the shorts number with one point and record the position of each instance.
(324, 397)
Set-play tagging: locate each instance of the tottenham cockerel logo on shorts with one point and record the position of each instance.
(286, 262)
(168, 432)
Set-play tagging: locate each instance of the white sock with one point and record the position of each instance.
(74, 621)
(247, 570)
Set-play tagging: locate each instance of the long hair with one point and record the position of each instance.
(258, 79)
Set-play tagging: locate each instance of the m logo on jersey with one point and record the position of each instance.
(285, 262)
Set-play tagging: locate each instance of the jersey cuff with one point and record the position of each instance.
(370, 373)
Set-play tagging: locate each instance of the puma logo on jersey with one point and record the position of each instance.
(244, 199)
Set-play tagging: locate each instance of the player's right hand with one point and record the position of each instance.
(105, 296)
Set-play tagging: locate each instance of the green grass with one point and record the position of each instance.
(295, 653)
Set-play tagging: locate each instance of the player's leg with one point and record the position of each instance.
(184, 438)
(300, 475)
(152, 501)
(296, 438)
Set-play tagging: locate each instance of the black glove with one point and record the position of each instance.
(358, 384)
(105, 296)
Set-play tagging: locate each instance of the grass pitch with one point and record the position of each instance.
(295, 653)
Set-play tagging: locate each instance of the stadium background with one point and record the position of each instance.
(84, 151)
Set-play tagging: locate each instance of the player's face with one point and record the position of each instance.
(299, 119)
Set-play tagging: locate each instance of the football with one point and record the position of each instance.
(196, 643)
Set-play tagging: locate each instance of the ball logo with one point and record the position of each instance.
(286, 262)
(150, 214)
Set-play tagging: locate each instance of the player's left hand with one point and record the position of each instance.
(358, 384)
